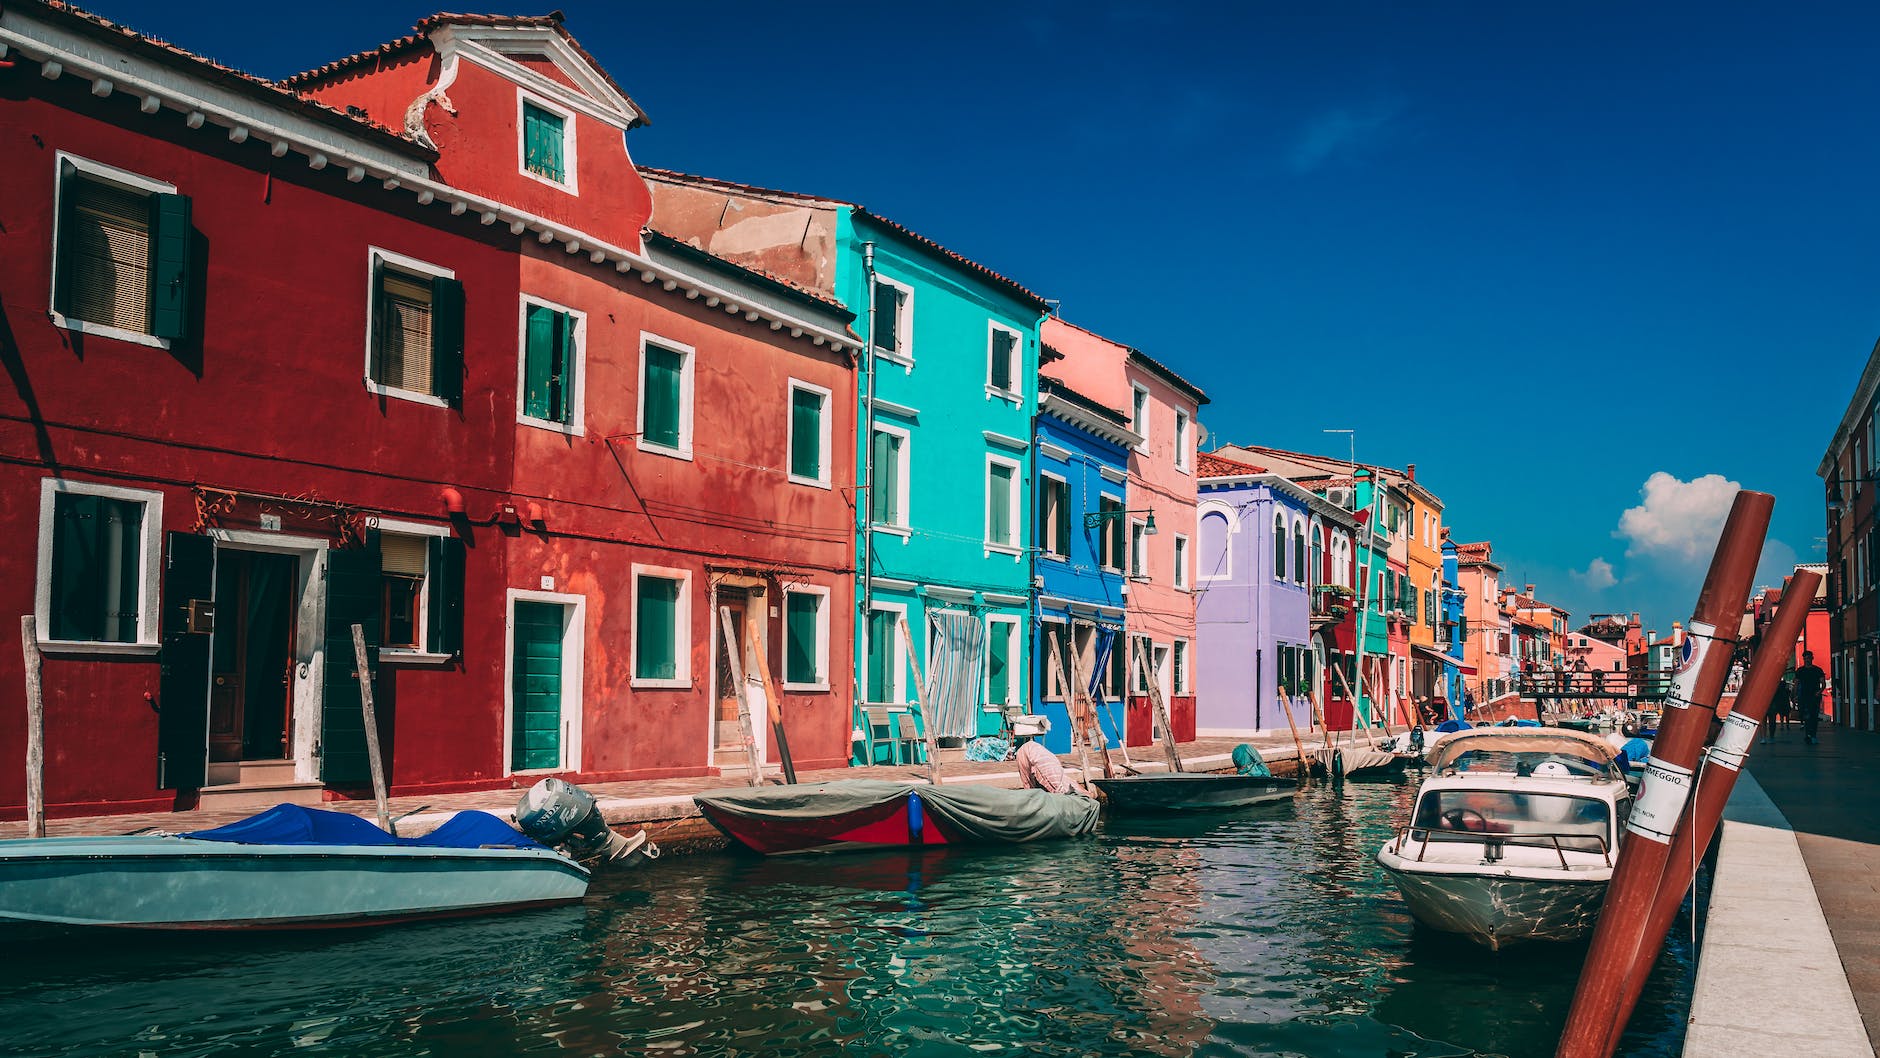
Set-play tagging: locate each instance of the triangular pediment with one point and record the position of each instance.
(544, 59)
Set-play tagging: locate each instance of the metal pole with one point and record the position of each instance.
(864, 492)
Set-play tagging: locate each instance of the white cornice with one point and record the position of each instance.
(892, 408)
(485, 46)
(1058, 408)
(1017, 444)
(1850, 419)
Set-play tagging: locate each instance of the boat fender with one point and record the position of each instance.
(916, 820)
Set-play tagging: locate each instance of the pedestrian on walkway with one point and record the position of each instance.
(1809, 681)
(1778, 714)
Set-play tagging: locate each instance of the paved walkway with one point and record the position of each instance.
(1828, 793)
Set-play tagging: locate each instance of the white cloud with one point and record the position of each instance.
(1679, 521)
(1597, 575)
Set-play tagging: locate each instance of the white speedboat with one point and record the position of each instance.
(1513, 835)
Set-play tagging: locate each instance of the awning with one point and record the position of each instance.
(1436, 655)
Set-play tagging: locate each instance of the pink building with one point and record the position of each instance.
(1160, 511)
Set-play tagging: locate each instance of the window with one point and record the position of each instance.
(549, 390)
(894, 319)
(1002, 360)
(1002, 653)
(98, 563)
(805, 638)
(421, 589)
(1138, 551)
(665, 397)
(121, 254)
(887, 491)
(548, 144)
(1299, 553)
(1217, 560)
(1181, 561)
(1139, 415)
(1110, 544)
(1318, 553)
(1115, 674)
(1001, 503)
(1181, 440)
(662, 627)
(1140, 646)
(1054, 516)
(809, 434)
(414, 339)
(1279, 547)
(886, 656)
(1056, 658)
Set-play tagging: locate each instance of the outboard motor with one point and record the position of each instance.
(1416, 740)
(561, 815)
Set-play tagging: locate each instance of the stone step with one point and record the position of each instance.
(259, 795)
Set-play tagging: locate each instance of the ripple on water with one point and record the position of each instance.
(1267, 932)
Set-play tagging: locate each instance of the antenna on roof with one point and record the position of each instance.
(1056, 305)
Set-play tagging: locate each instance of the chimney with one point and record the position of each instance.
(1530, 590)
(1410, 471)
(1635, 617)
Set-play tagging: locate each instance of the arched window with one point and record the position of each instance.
(1217, 562)
(1279, 547)
(1317, 566)
(1299, 552)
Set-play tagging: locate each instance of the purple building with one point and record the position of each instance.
(1256, 567)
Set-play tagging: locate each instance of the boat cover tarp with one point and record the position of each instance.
(982, 813)
(299, 825)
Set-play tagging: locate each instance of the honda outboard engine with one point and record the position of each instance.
(561, 815)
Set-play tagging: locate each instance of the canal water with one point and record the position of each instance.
(1263, 932)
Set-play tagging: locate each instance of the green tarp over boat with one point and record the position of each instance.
(977, 813)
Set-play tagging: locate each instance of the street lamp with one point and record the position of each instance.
(1095, 519)
(1835, 503)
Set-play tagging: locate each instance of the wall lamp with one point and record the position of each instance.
(1835, 503)
(1096, 519)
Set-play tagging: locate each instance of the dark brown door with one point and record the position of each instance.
(251, 681)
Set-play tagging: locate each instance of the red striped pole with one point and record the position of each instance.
(1721, 766)
(1696, 684)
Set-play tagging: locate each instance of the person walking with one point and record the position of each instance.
(1809, 681)
(1778, 711)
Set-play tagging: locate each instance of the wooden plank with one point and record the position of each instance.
(756, 606)
(1093, 731)
(377, 763)
(729, 639)
(1153, 682)
(920, 699)
(1070, 705)
(35, 732)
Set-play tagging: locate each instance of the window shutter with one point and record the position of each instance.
(536, 356)
(806, 434)
(998, 665)
(656, 634)
(169, 265)
(353, 596)
(660, 395)
(998, 503)
(67, 236)
(561, 370)
(447, 339)
(801, 612)
(887, 317)
(1062, 530)
(77, 591)
(884, 496)
(446, 563)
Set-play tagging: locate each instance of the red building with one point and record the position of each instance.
(388, 345)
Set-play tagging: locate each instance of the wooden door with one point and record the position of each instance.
(535, 732)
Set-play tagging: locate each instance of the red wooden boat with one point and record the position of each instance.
(862, 813)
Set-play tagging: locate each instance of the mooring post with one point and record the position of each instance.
(371, 717)
(35, 732)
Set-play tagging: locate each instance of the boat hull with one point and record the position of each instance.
(1496, 909)
(862, 813)
(1191, 792)
(891, 825)
(184, 883)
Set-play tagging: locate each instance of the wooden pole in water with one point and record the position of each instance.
(1153, 680)
(1298, 743)
(754, 772)
(1722, 765)
(1070, 705)
(774, 706)
(1685, 727)
(35, 732)
(371, 718)
(920, 699)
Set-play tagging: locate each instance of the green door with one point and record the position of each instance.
(535, 742)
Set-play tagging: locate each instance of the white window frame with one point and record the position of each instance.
(573, 663)
(1226, 513)
(899, 661)
(1184, 429)
(1016, 394)
(1047, 535)
(1182, 580)
(568, 166)
(1301, 578)
(1013, 492)
(109, 174)
(1185, 649)
(822, 635)
(1138, 571)
(684, 451)
(424, 529)
(1062, 626)
(403, 264)
(1014, 657)
(149, 569)
(1140, 423)
(825, 452)
(902, 492)
(903, 353)
(577, 393)
(682, 636)
(1280, 525)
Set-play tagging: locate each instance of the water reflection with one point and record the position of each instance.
(1254, 933)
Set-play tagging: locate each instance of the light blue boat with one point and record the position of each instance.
(287, 868)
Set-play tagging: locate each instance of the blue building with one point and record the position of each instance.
(1079, 468)
(1452, 633)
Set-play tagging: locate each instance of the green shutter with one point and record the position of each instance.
(806, 411)
(884, 494)
(800, 626)
(447, 339)
(1002, 343)
(67, 236)
(998, 503)
(659, 397)
(96, 568)
(535, 675)
(655, 632)
(998, 665)
(169, 265)
(538, 356)
(1063, 532)
(353, 596)
(542, 141)
(880, 655)
(183, 673)
(887, 317)
(444, 565)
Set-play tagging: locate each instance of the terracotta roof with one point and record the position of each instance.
(1307, 457)
(676, 176)
(1011, 285)
(795, 290)
(240, 80)
(1209, 465)
(421, 33)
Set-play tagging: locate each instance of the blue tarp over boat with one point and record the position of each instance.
(298, 825)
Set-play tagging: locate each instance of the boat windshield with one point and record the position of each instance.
(1524, 763)
(1580, 823)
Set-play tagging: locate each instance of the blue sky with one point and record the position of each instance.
(1546, 253)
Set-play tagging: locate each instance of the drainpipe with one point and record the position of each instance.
(866, 507)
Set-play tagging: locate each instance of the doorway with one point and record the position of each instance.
(536, 729)
(252, 670)
(747, 604)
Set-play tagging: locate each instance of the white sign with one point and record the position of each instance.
(548, 584)
(271, 522)
(1661, 797)
(1697, 643)
(1733, 742)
